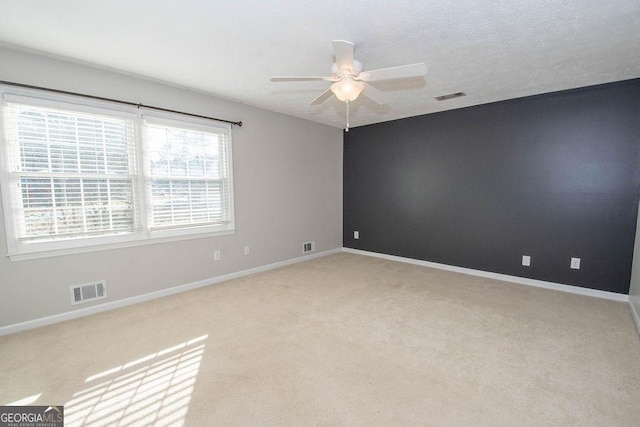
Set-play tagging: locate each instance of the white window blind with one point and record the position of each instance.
(77, 176)
(188, 176)
(72, 173)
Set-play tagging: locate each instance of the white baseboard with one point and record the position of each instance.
(634, 314)
(56, 318)
(504, 277)
(69, 315)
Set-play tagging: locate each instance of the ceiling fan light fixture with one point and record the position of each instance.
(347, 89)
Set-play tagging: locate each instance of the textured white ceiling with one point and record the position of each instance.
(489, 49)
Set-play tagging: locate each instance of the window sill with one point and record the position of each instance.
(48, 253)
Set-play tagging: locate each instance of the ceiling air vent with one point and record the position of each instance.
(89, 292)
(450, 96)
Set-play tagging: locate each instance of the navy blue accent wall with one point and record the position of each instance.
(552, 176)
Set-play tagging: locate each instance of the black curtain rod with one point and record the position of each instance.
(100, 98)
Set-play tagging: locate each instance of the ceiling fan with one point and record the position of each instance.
(350, 79)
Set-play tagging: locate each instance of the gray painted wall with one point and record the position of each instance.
(288, 189)
(634, 289)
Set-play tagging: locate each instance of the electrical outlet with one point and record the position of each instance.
(247, 250)
(216, 255)
(526, 260)
(575, 263)
(356, 235)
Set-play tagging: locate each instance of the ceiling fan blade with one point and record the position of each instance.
(323, 97)
(301, 79)
(401, 72)
(374, 94)
(343, 50)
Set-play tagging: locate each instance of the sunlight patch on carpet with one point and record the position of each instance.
(154, 390)
(29, 400)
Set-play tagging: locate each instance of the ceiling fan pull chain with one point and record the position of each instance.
(347, 128)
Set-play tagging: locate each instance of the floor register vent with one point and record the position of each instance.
(308, 247)
(89, 292)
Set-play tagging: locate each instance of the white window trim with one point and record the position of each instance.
(196, 124)
(143, 236)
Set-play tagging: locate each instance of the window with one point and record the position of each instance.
(72, 173)
(82, 176)
(188, 178)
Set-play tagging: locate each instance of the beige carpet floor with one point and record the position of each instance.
(344, 340)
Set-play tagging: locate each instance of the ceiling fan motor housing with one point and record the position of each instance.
(346, 72)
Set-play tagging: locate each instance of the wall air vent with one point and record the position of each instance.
(308, 247)
(450, 96)
(89, 292)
